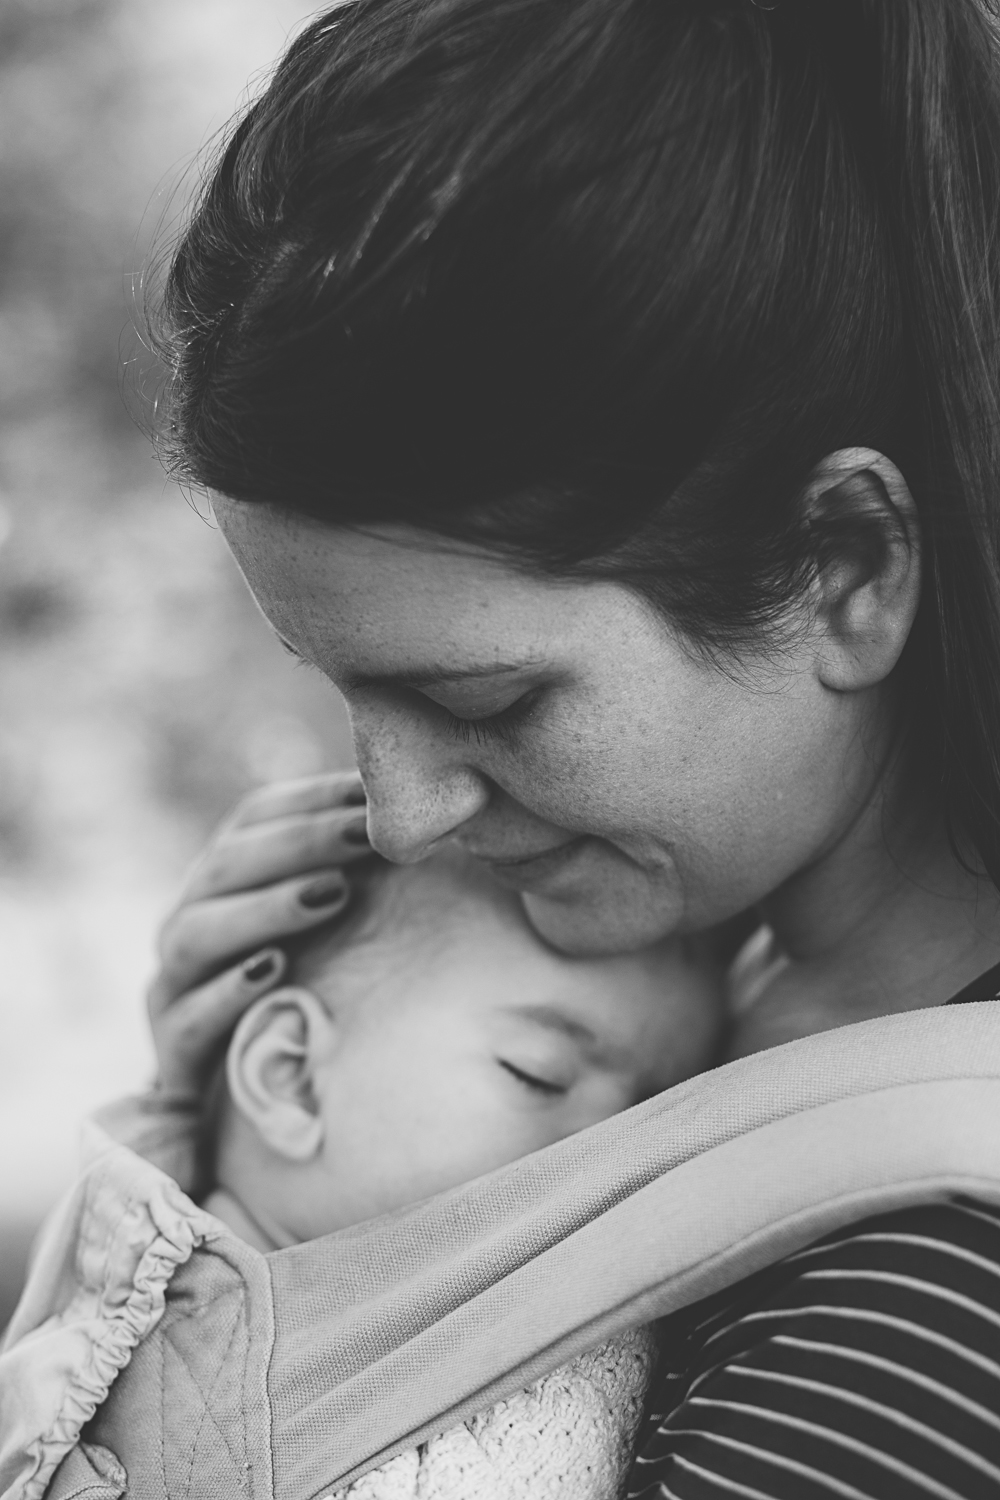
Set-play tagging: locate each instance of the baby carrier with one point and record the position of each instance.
(155, 1355)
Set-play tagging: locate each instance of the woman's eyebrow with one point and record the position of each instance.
(417, 677)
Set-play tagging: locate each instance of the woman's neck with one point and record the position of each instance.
(887, 920)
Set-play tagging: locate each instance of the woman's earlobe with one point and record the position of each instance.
(270, 1070)
(868, 568)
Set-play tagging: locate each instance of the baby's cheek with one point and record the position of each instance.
(505, 1123)
(410, 1138)
(599, 1095)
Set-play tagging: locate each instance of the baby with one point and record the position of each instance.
(430, 1037)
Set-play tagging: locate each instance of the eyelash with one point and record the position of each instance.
(498, 728)
(494, 729)
(297, 659)
(539, 1085)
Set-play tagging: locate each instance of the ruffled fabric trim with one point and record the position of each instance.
(96, 1289)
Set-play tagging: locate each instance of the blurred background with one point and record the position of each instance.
(140, 693)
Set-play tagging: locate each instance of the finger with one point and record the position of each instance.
(277, 850)
(202, 936)
(189, 1032)
(230, 990)
(310, 794)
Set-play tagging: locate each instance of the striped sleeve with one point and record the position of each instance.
(866, 1367)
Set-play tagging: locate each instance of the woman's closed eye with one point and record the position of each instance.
(532, 1080)
(483, 716)
(493, 727)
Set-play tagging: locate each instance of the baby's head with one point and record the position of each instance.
(432, 1036)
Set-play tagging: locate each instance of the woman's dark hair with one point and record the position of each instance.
(598, 282)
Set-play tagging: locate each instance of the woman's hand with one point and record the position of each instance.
(271, 870)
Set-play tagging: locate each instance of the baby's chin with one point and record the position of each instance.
(601, 917)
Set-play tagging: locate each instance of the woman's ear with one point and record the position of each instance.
(270, 1070)
(868, 580)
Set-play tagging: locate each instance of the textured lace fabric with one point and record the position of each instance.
(568, 1436)
(866, 1367)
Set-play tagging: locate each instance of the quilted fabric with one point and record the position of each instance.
(182, 1398)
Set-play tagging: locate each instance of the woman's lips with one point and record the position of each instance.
(530, 872)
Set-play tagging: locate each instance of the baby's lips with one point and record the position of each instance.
(326, 891)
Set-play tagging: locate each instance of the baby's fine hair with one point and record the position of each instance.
(398, 907)
(310, 953)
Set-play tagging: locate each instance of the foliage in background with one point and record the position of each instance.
(140, 693)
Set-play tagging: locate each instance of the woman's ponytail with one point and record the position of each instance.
(940, 104)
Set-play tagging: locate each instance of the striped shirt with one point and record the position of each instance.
(866, 1367)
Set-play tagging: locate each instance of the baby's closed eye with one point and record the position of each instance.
(534, 1080)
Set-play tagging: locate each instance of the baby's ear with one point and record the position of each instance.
(270, 1069)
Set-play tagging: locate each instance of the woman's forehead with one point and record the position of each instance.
(398, 601)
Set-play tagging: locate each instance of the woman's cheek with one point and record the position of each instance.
(576, 768)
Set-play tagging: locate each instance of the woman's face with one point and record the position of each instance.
(561, 732)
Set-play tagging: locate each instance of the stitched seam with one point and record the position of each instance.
(206, 1414)
(240, 1321)
(205, 1397)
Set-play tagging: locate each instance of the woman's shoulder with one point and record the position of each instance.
(867, 1364)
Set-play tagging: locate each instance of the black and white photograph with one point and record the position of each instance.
(500, 750)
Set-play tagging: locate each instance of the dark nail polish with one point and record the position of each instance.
(358, 835)
(256, 969)
(329, 890)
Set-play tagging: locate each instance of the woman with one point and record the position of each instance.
(604, 396)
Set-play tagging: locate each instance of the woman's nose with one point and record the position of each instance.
(419, 790)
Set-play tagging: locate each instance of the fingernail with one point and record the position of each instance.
(256, 969)
(357, 835)
(329, 890)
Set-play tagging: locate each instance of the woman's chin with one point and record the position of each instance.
(605, 922)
